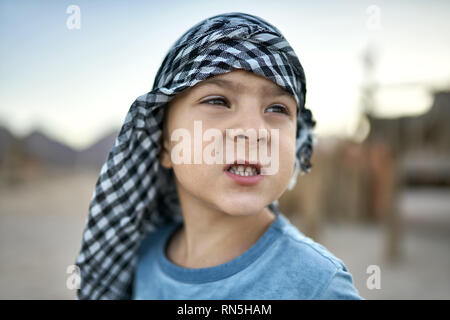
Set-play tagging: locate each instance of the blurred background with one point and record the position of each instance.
(378, 77)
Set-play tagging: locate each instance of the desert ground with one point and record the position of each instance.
(41, 224)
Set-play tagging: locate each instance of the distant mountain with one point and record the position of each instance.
(5, 140)
(48, 150)
(96, 154)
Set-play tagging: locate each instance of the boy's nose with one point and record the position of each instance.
(248, 135)
(247, 122)
(249, 118)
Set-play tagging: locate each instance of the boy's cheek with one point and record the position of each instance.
(287, 158)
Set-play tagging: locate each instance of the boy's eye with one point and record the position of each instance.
(216, 101)
(222, 102)
(279, 109)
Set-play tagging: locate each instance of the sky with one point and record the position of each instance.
(77, 84)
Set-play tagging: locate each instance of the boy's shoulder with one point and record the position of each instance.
(307, 248)
(312, 264)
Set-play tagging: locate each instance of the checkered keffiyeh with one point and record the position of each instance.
(134, 195)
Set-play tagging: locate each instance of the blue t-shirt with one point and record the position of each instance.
(282, 264)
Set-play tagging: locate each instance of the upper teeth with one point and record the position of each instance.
(243, 170)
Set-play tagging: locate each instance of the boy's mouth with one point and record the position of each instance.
(246, 174)
(243, 169)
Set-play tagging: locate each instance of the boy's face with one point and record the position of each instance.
(234, 100)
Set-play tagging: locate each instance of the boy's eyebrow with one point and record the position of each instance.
(272, 90)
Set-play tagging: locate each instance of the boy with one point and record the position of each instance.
(160, 228)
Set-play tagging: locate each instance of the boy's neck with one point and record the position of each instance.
(210, 237)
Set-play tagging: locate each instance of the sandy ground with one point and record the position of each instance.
(421, 272)
(41, 224)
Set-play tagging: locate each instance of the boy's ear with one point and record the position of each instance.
(164, 155)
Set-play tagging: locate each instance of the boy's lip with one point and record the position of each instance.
(245, 180)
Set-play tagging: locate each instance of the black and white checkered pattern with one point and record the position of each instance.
(133, 194)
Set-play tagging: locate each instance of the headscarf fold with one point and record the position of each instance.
(134, 195)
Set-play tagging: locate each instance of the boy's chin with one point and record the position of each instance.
(243, 207)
